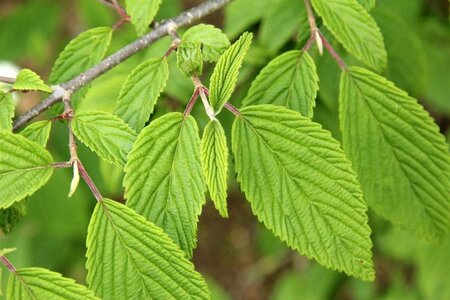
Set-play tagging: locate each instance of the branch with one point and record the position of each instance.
(7, 80)
(108, 63)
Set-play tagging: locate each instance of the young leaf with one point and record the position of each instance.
(289, 80)
(213, 41)
(38, 132)
(106, 134)
(395, 147)
(131, 258)
(11, 215)
(27, 80)
(6, 111)
(142, 13)
(224, 77)
(189, 58)
(165, 164)
(37, 283)
(214, 153)
(82, 53)
(355, 28)
(140, 92)
(24, 168)
(302, 187)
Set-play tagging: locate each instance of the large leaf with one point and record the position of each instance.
(27, 80)
(6, 111)
(38, 132)
(224, 77)
(164, 180)
(289, 80)
(355, 28)
(106, 134)
(142, 13)
(139, 93)
(24, 167)
(213, 41)
(302, 187)
(395, 147)
(367, 4)
(214, 152)
(131, 258)
(37, 283)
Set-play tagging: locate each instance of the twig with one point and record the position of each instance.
(7, 264)
(232, 109)
(191, 103)
(311, 18)
(333, 52)
(84, 174)
(108, 63)
(201, 91)
(7, 80)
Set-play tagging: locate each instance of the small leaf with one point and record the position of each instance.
(131, 258)
(165, 164)
(27, 80)
(213, 41)
(140, 92)
(142, 13)
(189, 58)
(224, 77)
(288, 80)
(37, 283)
(355, 28)
(214, 153)
(395, 147)
(24, 167)
(11, 215)
(302, 187)
(38, 132)
(106, 134)
(6, 111)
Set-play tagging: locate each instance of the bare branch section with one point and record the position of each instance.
(108, 63)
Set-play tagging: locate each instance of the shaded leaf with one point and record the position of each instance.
(142, 13)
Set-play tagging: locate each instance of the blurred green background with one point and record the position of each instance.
(239, 258)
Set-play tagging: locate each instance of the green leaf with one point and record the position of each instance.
(27, 80)
(214, 153)
(131, 258)
(38, 132)
(165, 164)
(11, 215)
(142, 13)
(189, 58)
(367, 4)
(280, 22)
(355, 28)
(106, 134)
(37, 283)
(6, 111)
(139, 93)
(82, 53)
(24, 168)
(288, 80)
(213, 41)
(224, 77)
(395, 147)
(301, 186)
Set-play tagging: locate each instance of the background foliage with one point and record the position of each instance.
(240, 259)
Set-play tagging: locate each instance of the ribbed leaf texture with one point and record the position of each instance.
(355, 28)
(27, 80)
(367, 4)
(37, 283)
(83, 52)
(131, 258)
(213, 41)
(38, 132)
(139, 93)
(288, 80)
(142, 13)
(189, 58)
(6, 111)
(395, 147)
(164, 180)
(301, 186)
(106, 134)
(24, 168)
(214, 153)
(225, 74)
